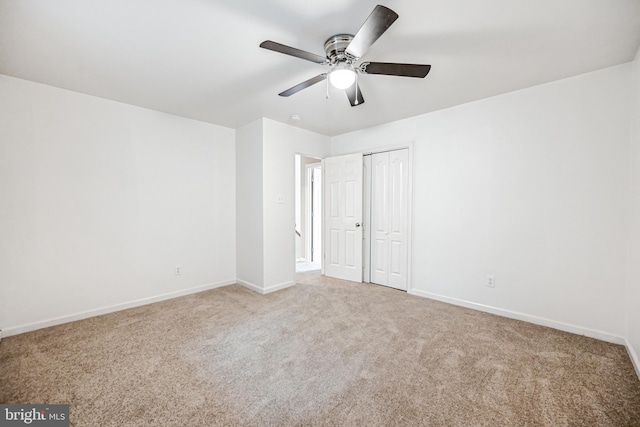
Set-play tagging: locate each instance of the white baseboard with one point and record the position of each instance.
(28, 327)
(250, 286)
(262, 290)
(635, 361)
(579, 330)
(278, 287)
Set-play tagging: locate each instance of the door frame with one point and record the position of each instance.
(308, 225)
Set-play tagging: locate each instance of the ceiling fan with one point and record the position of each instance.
(342, 53)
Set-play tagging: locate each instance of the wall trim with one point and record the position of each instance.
(263, 291)
(635, 361)
(251, 286)
(278, 287)
(566, 327)
(29, 327)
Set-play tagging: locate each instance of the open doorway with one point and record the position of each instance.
(308, 227)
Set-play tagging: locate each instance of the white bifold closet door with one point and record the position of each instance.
(389, 217)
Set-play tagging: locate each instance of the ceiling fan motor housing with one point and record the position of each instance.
(335, 47)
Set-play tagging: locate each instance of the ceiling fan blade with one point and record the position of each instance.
(305, 84)
(355, 95)
(298, 53)
(376, 24)
(395, 69)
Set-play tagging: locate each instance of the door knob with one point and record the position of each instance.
(357, 224)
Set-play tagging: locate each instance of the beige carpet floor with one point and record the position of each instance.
(324, 352)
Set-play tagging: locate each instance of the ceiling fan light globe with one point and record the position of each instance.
(342, 78)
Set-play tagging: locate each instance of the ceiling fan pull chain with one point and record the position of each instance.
(327, 87)
(356, 83)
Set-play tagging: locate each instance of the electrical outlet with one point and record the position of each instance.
(491, 281)
(178, 270)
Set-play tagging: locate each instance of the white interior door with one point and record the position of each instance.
(343, 217)
(389, 217)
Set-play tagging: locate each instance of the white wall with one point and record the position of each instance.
(633, 284)
(530, 186)
(281, 143)
(249, 205)
(101, 200)
(265, 165)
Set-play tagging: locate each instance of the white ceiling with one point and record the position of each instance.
(200, 58)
